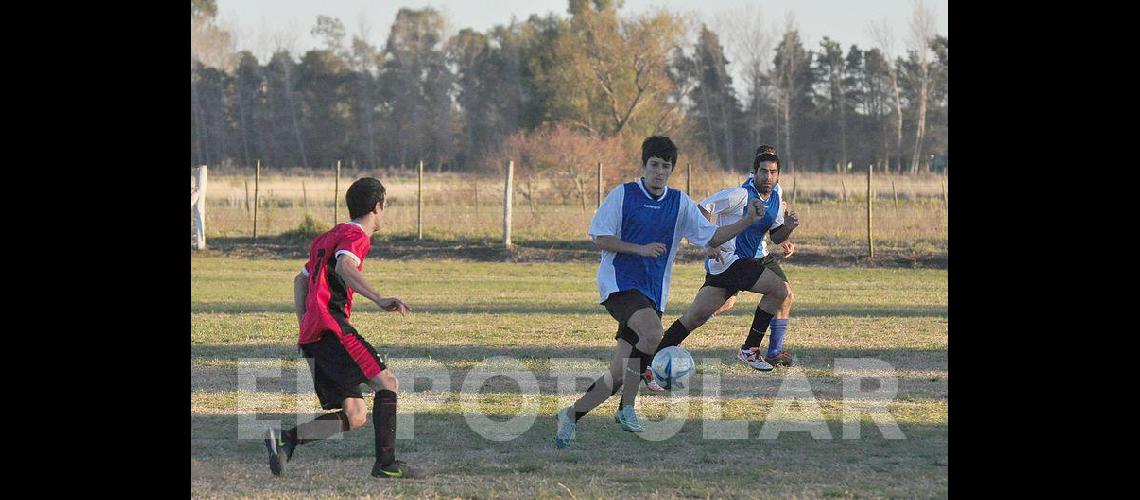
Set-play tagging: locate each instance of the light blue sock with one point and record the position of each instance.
(776, 338)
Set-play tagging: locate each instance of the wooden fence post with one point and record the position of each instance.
(599, 184)
(689, 178)
(896, 193)
(256, 196)
(870, 238)
(336, 192)
(420, 203)
(507, 204)
(198, 205)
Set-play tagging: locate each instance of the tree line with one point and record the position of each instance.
(452, 101)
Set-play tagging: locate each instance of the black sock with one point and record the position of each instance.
(673, 336)
(643, 360)
(384, 420)
(759, 325)
(322, 427)
(601, 380)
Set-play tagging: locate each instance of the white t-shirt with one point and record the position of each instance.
(728, 206)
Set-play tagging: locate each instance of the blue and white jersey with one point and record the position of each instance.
(729, 205)
(632, 214)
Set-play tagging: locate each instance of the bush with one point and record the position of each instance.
(560, 163)
(305, 232)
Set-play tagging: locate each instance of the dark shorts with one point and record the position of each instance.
(743, 273)
(622, 305)
(336, 375)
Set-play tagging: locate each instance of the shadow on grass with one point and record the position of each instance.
(801, 311)
(541, 359)
(482, 250)
(734, 381)
(687, 463)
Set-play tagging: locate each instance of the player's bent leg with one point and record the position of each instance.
(646, 325)
(775, 291)
(708, 300)
(785, 310)
(356, 411)
(642, 329)
(281, 445)
(607, 385)
(770, 283)
(728, 303)
(385, 380)
(384, 424)
(776, 355)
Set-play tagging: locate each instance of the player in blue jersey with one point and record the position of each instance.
(639, 227)
(744, 263)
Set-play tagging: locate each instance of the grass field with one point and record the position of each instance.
(545, 317)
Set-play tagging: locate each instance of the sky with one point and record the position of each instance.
(258, 21)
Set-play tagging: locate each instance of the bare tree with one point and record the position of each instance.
(749, 44)
(921, 32)
(211, 46)
(884, 38)
(285, 40)
(362, 57)
(787, 70)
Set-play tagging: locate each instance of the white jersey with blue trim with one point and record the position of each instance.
(634, 216)
(728, 205)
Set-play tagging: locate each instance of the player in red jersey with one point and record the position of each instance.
(339, 357)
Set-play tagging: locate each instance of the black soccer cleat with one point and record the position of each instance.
(280, 450)
(398, 470)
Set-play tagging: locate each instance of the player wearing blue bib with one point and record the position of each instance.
(639, 227)
(743, 263)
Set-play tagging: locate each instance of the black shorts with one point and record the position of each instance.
(743, 273)
(622, 305)
(336, 375)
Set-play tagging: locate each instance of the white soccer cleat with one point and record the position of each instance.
(651, 381)
(754, 360)
(566, 428)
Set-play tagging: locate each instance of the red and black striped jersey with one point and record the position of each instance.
(328, 304)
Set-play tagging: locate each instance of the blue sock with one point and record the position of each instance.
(776, 338)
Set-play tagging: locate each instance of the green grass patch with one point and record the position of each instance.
(546, 317)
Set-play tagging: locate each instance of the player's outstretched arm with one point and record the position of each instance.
(300, 291)
(346, 269)
(615, 244)
(725, 233)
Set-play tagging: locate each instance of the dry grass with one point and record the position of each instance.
(469, 207)
(449, 188)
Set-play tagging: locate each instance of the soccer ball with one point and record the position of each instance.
(672, 367)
